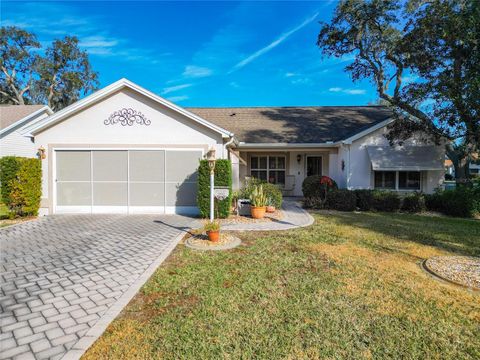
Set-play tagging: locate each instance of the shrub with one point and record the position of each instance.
(223, 177)
(9, 166)
(342, 200)
(313, 203)
(317, 186)
(385, 201)
(461, 202)
(271, 191)
(364, 199)
(22, 185)
(414, 203)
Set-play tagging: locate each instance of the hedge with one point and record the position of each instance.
(414, 203)
(342, 200)
(272, 191)
(462, 201)
(388, 201)
(223, 178)
(21, 180)
(316, 186)
(9, 166)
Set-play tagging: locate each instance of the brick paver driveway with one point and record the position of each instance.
(60, 275)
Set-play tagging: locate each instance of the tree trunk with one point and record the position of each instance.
(461, 169)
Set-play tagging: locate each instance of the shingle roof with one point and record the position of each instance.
(10, 114)
(311, 124)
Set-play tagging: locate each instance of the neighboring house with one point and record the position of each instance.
(125, 149)
(13, 120)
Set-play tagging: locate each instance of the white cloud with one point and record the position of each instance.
(170, 89)
(347, 91)
(354, 91)
(193, 71)
(273, 44)
(290, 74)
(178, 98)
(234, 84)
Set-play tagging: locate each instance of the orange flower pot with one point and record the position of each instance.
(258, 212)
(213, 236)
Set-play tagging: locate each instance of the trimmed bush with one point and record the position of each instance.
(342, 200)
(26, 189)
(461, 202)
(9, 166)
(314, 203)
(386, 201)
(21, 185)
(364, 199)
(414, 203)
(434, 202)
(272, 191)
(317, 186)
(223, 178)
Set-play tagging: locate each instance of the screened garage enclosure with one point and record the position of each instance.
(126, 181)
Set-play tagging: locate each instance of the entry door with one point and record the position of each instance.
(314, 165)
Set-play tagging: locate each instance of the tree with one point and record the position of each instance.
(17, 61)
(57, 78)
(65, 74)
(436, 43)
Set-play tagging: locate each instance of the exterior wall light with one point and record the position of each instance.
(299, 158)
(42, 153)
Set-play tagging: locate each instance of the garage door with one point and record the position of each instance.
(126, 181)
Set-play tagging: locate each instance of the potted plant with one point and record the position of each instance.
(258, 202)
(213, 230)
(270, 206)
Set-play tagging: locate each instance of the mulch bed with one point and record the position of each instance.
(461, 270)
(201, 242)
(237, 219)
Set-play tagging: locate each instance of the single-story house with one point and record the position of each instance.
(124, 149)
(13, 121)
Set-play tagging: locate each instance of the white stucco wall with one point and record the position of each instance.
(13, 143)
(358, 170)
(86, 129)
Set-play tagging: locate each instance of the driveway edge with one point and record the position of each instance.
(82, 345)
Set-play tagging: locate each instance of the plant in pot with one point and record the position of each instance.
(213, 230)
(270, 206)
(258, 201)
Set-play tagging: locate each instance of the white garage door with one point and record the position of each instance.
(126, 181)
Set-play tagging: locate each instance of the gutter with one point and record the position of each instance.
(327, 144)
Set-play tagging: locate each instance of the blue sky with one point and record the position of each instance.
(203, 53)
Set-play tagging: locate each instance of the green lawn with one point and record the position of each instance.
(347, 287)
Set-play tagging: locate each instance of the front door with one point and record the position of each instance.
(314, 165)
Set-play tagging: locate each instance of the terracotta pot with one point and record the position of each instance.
(270, 209)
(258, 212)
(213, 236)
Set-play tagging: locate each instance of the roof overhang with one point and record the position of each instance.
(112, 88)
(25, 120)
(243, 145)
(413, 158)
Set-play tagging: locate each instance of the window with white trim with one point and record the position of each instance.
(409, 180)
(397, 180)
(385, 180)
(268, 168)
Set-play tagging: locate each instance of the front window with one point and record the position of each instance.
(409, 180)
(398, 180)
(268, 168)
(384, 179)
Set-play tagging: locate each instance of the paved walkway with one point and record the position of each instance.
(65, 278)
(294, 216)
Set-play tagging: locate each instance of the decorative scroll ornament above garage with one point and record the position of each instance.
(126, 117)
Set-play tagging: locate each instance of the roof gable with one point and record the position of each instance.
(111, 89)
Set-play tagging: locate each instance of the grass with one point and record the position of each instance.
(350, 286)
